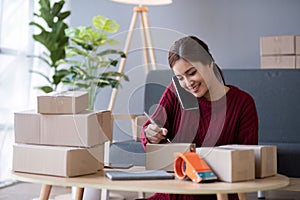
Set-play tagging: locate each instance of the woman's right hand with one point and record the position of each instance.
(155, 134)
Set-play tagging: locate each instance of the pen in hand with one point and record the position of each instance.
(154, 123)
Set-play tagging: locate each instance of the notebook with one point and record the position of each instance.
(138, 175)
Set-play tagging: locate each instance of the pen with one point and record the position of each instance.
(153, 122)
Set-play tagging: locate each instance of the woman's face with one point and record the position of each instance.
(192, 78)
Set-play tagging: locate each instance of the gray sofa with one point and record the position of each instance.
(277, 96)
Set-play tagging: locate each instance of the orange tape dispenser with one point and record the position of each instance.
(190, 164)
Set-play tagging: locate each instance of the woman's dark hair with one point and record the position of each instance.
(192, 49)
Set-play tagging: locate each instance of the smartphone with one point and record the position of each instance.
(187, 100)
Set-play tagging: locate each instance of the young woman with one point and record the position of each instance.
(226, 114)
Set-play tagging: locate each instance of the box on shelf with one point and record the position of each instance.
(265, 158)
(298, 62)
(278, 45)
(82, 129)
(298, 45)
(230, 165)
(67, 102)
(278, 62)
(161, 156)
(57, 160)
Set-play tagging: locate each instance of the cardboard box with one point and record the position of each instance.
(230, 165)
(137, 127)
(298, 62)
(57, 160)
(106, 121)
(81, 129)
(278, 62)
(265, 158)
(278, 45)
(298, 45)
(67, 102)
(161, 156)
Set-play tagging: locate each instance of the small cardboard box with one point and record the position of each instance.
(265, 158)
(84, 129)
(278, 45)
(67, 102)
(278, 62)
(230, 165)
(161, 156)
(57, 160)
(298, 45)
(298, 62)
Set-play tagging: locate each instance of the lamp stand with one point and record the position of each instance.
(148, 50)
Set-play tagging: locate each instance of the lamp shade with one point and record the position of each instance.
(145, 2)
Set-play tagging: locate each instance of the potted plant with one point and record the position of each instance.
(53, 37)
(90, 60)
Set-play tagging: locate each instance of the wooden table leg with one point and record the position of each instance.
(141, 195)
(222, 196)
(243, 196)
(45, 192)
(79, 193)
(104, 194)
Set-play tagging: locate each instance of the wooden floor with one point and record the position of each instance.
(29, 191)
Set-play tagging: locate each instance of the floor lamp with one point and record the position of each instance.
(148, 51)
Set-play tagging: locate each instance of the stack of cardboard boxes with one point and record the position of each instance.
(61, 138)
(280, 52)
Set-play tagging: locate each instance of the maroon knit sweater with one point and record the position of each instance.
(229, 120)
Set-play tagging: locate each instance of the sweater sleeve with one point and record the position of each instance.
(248, 123)
(163, 112)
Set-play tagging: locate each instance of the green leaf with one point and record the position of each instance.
(112, 42)
(45, 4)
(108, 81)
(63, 15)
(59, 75)
(57, 8)
(73, 51)
(111, 51)
(81, 72)
(114, 62)
(46, 89)
(71, 31)
(115, 74)
(104, 24)
(45, 11)
(37, 25)
(80, 85)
